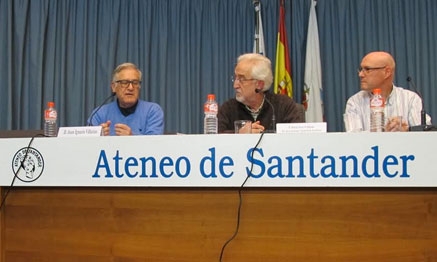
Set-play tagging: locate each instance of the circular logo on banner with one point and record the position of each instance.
(29, 163)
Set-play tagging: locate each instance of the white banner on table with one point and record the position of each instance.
(280, 160)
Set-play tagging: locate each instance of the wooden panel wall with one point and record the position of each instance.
(165, 224)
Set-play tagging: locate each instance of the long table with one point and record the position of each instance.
(104, 201)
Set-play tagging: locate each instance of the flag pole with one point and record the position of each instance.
(257, 10)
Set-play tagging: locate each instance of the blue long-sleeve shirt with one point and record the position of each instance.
(148, 118)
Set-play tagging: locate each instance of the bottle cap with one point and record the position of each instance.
(376, 91)
(211, 97)
(51, 104)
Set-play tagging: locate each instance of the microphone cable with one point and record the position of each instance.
(3, 201)
(240, 202)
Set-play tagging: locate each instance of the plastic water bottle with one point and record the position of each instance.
(377, 104)
(50, 118)
(210, 121)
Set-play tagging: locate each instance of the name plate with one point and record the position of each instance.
(79, 131)
(288, 128)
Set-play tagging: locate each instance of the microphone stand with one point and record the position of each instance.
(98, 108)
(273, 124)
(423, 126)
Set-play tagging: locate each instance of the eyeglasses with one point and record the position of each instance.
(126, 83)
(367, 70)
(240, 79)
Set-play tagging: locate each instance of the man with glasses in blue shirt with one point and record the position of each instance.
(253, 101)
(377, 71)
(128, 115)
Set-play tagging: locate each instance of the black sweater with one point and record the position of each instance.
(285, 109)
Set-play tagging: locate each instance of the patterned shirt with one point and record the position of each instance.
(401, 102)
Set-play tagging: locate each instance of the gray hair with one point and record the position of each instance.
(122, 67)
(261, 68)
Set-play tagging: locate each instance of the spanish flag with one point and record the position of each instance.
(283, 84)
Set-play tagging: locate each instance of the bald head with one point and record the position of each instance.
(377, 71)
(381, 58)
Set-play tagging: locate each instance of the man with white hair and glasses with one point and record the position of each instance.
(252, 80)
(128, 115)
